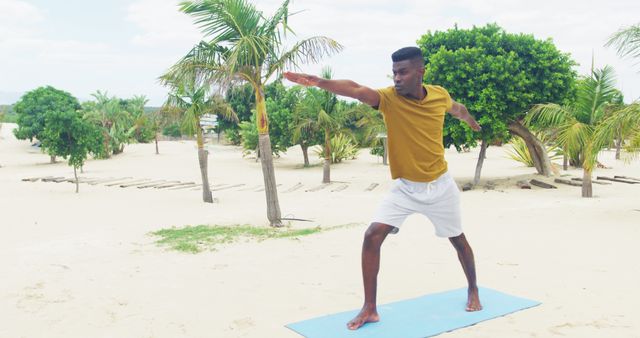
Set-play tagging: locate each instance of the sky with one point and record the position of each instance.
(122, 47)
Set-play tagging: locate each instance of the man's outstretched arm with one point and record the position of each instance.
(459, 111)
(339, 87)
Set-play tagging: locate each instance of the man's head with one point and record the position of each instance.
(408, 69)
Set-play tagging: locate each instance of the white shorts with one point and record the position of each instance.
(439, 200)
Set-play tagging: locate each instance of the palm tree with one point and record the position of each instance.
(247, 46)
(140, 130)
(317, 121)
(621, 124)
(374, 128)
(626, 41)
(115, 122)
(576, 125)
(193, 99)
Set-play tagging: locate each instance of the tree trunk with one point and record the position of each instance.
(536, 148)
(75, 174)
(207, 197)
(305, 154)
(385, 153)
(481, 157)
(258, 150)
(326, 167)
(52, 158)
(587, 187)
(157, 152)
(618, 146)
(565, 161)
(106, 142)
(268, 172)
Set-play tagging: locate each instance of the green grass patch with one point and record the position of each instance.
(194, 239)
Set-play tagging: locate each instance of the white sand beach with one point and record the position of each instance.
(85, 265)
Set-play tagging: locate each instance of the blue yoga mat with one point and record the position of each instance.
(424, 316)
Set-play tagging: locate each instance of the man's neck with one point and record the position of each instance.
(418, 94)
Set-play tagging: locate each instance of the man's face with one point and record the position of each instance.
(407, 75)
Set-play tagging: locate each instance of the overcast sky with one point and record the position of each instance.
(122, 46)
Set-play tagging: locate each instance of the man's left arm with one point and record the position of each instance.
(459, 111)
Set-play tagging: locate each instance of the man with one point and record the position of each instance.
(414, 115)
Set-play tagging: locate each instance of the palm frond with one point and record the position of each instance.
(548, 115)
(310, 50)
(594, 93)
(575, 136)
(626, 41)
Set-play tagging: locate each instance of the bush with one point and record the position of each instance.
(519, 151)
(342, 148)
(377, 150)
(172, 130)
(249, 134)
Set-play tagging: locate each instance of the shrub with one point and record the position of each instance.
(342, 148)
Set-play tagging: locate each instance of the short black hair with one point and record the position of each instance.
(407, 53)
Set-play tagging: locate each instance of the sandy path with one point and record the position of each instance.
(83, 265)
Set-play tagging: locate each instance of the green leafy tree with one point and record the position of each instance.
(578, 123)
(247, 45)
(33, 107)
(194, 99)
(281, 103)
(68, 135)
(241, 98)
(498, 76)
(142, 128)
(111, 115)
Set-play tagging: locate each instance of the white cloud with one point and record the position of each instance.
(161, 23)
(18, 19)
(370, 30)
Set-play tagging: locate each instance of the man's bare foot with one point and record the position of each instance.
(473, 300)
(366, 315)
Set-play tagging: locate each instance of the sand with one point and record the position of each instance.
(85, 265)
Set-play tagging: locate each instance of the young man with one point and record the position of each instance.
(414, 115)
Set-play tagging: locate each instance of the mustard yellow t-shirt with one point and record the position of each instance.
(414, 133)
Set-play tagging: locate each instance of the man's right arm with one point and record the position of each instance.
(340, 87)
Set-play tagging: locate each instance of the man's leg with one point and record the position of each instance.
(465, 255)
(373, 238)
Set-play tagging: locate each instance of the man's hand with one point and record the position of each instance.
(340, 87)
(302, 79)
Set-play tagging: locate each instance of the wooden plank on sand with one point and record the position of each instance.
(35, 179)
(627, 178)
(294, 188)
(619, 180)
(186, 186)
(542, 184)
(568, 182)
(164, 186)
(153, 185)
(52, 179)
(372, 186)
(596, 182)
(127, 185)
(340, 188)
(318, 188)
(228, 187)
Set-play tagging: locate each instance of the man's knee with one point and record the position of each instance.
(376, 233)
(460, 242)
